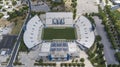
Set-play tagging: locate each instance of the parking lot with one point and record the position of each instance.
(8, 42)
(40, 6)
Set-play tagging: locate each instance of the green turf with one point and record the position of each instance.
(57, 33)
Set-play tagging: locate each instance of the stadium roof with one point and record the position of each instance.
(70, 46)
(32, 31)
(32, 35)
(86, 34)
(67, 16)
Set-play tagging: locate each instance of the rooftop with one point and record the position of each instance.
(32, 32)
(86, 33)
(59, 47)
(59, 18)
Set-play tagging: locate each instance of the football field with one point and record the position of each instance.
(58, 33)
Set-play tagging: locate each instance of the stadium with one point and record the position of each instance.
(59, 36)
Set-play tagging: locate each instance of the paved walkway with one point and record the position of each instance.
(86, 6)
(109, 53)
(85, 56)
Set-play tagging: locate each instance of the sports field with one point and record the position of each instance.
(59, 33)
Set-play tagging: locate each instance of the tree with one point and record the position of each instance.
(1, 15)
(117, 54)
(110, 65)
(72, 60)
(78, 65)
(98, 38)
(114, 65)
(74, 4)
(4, 10)
(69, 65)
(14, 2)
(76, 61)
(0, 7)
(82, 60)
(82, 64)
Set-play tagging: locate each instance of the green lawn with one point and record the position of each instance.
(59, 33)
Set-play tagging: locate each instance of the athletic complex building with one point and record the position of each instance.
(59, 36)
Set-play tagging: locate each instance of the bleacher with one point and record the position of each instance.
(85, 33)
(32, 34)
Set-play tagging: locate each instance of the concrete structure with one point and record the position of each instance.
(33, 30)
(85, 33)
(3, 53)
(61, 19)
(59, 49)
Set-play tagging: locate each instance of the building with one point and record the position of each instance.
(59, 51)
(58, 1)
(116, 2)
(63, 44)
(61, 19)
(33, 30)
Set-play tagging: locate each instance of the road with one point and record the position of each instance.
(108, 52)
(17, 43)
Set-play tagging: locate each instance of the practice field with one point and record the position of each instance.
(58, 33)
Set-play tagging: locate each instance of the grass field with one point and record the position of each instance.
(59, 33)
(18, 24)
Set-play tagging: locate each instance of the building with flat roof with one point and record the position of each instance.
(61, 19)
(59, 50)
(57, 1)
(116, 2)
(59, 36)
